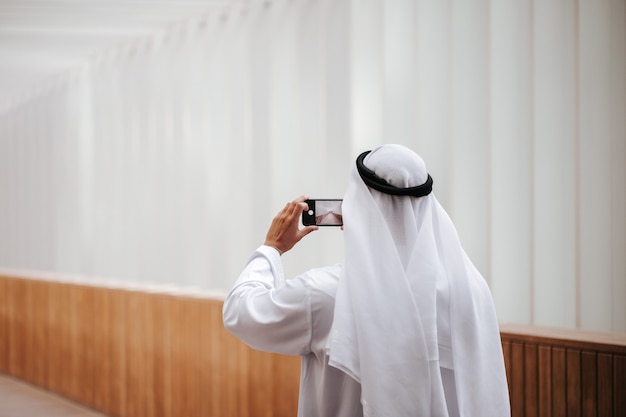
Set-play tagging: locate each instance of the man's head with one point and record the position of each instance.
(387, 199)
(395, 170)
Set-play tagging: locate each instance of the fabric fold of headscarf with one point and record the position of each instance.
(398, 251)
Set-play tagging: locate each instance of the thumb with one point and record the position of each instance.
(306, 230)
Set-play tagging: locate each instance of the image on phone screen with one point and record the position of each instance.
(323, 212)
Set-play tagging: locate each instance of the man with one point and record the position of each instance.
(405, 327)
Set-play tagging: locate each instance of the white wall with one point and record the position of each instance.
(164, 160)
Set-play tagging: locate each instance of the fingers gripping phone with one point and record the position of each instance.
(323, 212)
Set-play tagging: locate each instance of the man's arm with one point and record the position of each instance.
(261, 309)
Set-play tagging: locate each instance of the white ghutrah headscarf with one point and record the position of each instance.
(398, 251)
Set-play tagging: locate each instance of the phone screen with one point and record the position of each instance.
(323, 212)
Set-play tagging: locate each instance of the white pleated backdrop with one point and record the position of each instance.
(164, 160)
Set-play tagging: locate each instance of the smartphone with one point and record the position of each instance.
(323, 212)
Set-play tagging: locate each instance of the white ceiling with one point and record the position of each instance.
(40, 39)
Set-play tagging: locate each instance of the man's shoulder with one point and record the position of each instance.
(323, 279)
(323, 274)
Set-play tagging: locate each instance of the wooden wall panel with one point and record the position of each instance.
(531, 381)
(140, 356)
(40, 334)
(574, 401)
(559, 382)
(4, 337)
(28, 354)
(165, 322)
(132, 353)
(17, 333)
(619, 385)
(203, 366)
(574, 376)
(286, 396)
(261, 371)
(86, 326)
(516, 378)
(544, 378)
(56, 334)
(182, 357)
(589, 382)
(605, 385)
(109, 342)
(72, 345)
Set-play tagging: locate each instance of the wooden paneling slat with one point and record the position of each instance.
(57, 334)
(204, 366)
(239, 393)
(216, 354)
(531, 380)
(133, 336)
(114, 326)
(589, 374)
(40, 334)
(158, 352)
(4, 336)
(102, 368)
(517, 380)
(72, 345)
(574, 386)
(261, 370)
(26, 318)
(64, 370)
(18, 337)
(8, 323)
(559, 382)
(190, 354)
(183, 357)
(86, 326)
(605, 384)
(139, 356)
(544, 361)
(619, 385)
(286, 368)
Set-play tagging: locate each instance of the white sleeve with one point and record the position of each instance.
(264, 311)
